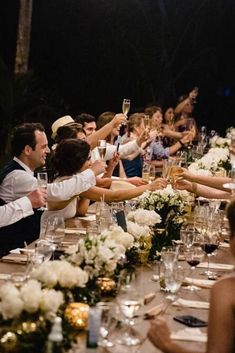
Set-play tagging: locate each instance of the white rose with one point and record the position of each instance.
(31, 295)
(51, 300)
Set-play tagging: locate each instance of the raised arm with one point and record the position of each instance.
(96, 193)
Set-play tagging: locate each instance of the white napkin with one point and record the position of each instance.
(203, 283)
(189, 334)
(191, 303)
(75, 231)
(216, 266)
(4, 276)
(90, 218)
(224, 245)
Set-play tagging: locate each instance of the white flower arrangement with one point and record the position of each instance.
(98, 256)
(144, 217)
(213, 161)
(138, 231)
(30, 298)
(220, 142)
(230, 132)
(117, 234)
(61, 273)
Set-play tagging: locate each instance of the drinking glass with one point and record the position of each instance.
(173, 278)
(146, 122)
(169, 256)
(55, 230)
(44, 248)
(42, 178)
(193, 256)
(102, 148)
(126, 106)
(93, 231)
(106, 219)
(152, 173)
(210, 243)
(106, 320)
(145, 172)
(129, 303)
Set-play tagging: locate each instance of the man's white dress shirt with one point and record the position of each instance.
(15, 210)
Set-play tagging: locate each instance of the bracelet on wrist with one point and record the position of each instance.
(182, 144)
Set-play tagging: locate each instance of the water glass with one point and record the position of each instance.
(105, 325)
(44, 248)
(55, 230)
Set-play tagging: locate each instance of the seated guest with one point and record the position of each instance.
(221, 325)
(22, 207)
(73, 157)
(30, 149)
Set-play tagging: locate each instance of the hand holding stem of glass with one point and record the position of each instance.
(102, 148)
(126, 106)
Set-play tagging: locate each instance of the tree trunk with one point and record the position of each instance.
(23, 36)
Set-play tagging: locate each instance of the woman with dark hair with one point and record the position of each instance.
(73, 156)
(221, 326)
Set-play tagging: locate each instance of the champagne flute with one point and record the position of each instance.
(102, 148)
(126, 106)
(146, 122)
(42, 178)
(152, 173)
(145, 171)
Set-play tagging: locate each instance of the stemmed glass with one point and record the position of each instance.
(102, 148)
(106, 320)
(126, 106)
(146, 122)
(210, 243)
(152, 173)
(42, 178)
(129, 302)
(193, 256)
(55, 230)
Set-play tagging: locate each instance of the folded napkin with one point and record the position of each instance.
(154, 311)
(148, 298)
(15, 258)
(216, 266)
(203, 283)
(191, 303)
(224, 245)
(91, 217)
(4, 276)
(189, 334)
(75, 231)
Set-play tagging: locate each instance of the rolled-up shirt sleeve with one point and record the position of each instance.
(15, 210)
(124, 150)
(77, 184)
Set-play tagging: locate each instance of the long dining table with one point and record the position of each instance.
(75, 229)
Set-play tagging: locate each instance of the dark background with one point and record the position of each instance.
(87, 55)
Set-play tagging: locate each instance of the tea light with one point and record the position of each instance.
(77, 315)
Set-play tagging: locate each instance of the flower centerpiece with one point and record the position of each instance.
(62, 275)
(170, 206)
(99, 257)
(25, 314)
(215, 161)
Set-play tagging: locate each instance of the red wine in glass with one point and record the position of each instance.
(193, 263)
(209, 248)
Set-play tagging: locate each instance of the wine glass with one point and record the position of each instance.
(193, 256)
(55, 230)
(106, 320)
(42, 178)
(129, 303)
(210, 243)
(173, 278)
(102, 148)
(126, 106)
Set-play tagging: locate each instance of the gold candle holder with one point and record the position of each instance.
(107, 285)
(77, 315)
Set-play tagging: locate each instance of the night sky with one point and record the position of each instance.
(87, 55)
